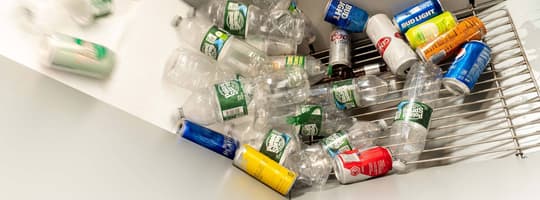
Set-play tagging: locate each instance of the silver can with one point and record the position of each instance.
(340, 48)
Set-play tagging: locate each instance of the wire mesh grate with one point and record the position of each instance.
(496, 120)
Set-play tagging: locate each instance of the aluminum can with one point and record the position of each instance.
(353, 166)
(209, 139)
(430, 29)
(340, 48)
(397, 54)
(264, 169)
(417, 14)
(464, 72)
(448, 43)
(346, 16)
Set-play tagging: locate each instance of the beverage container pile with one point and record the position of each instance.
(239, 60)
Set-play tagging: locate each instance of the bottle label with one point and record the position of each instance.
(415, 112)
(210, 139)
(91, 50)
(265, 170)
(295, 61)
(214, 41)
(336, 143)
(101, 7)
(274, 145)
(343, 92)
(311, 125)
(231, 99)
(235, 18)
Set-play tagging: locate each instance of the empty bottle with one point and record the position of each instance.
(275, 144)
(317, 120)
(312, 165)
(85, 12)
(247, 21)
(273, 46)
(240, 57)
(193, 70)
(360, 136)
(352, 93)
(314, 69)
(246, 97)
(412, 119)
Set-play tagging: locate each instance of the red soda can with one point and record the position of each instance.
(353, 166)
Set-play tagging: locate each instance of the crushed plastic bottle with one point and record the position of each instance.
(193, 70)
(247, 21)
(412, 120)
(242, 58)
(352, 93)
(360, 136)
(312, 165)
(317, 120)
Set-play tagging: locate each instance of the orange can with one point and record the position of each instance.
(448, 44)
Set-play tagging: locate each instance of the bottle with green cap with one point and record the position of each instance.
(311, 120)
(67, 53)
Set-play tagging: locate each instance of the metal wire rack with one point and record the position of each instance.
(498, 119)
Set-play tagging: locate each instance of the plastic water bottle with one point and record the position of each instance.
(352, 93)
(360, 136)
(312, 165)
(412, 120)
(247, 21)
(314, 69)
(317, 120)
(273, 46)
(85, 12)
(246, 97)
(242, 58)
(193, 70)
(277, 145)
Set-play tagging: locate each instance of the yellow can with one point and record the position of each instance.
(264, 169)
(431, 29)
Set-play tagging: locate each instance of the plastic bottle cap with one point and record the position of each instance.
(399, 166)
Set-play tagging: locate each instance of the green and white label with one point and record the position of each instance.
(415, 112)
(336, 143)
(343, 92)
(101, 7)
(235, 18)
(91, 50)
(308, 121)
(214, 41)
(274, 145)
(295, 61)
(231, 99)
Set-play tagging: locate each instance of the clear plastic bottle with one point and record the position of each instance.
(275, 143)
(85, 12)
(242, 58)
(317, 120)
(193, 70)
(411, 123)
(246, 97)
(248, 21)
(312, 165)
(360, 136)
(352, 93)
(273, 46)
(314, 69)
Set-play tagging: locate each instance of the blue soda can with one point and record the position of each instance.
(417, 14)
(209, 139)
(464, 72)
(346, 16)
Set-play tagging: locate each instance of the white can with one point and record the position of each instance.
(396, 53)
(340, 48)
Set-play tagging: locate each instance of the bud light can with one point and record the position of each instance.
(340, 48)
(346, 16)
(353, 166)
(209, 139)
(464, 72)
(417, 14)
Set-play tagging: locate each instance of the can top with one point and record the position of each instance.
(455, 86)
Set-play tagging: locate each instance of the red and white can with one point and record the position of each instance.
(396, 53)
(340, 48)
(353, 166)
